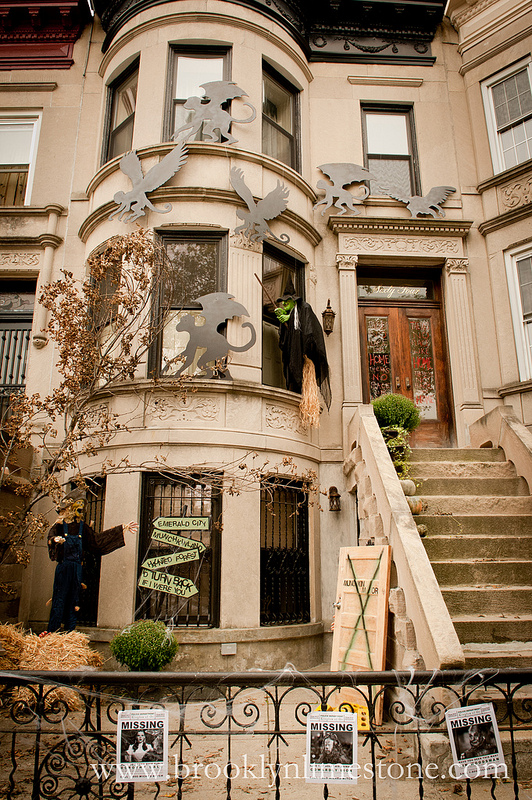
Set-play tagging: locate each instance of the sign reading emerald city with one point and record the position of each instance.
(164, 531)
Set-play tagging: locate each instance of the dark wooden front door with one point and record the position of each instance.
(403, 352)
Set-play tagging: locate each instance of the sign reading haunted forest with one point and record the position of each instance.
(154, 575)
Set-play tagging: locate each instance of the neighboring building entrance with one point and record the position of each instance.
(403, 349)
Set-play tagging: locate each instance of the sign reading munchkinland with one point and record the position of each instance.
(166, 530)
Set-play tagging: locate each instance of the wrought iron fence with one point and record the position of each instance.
(242, 734)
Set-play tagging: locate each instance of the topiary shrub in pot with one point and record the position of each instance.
(397, 416)
(145, 646)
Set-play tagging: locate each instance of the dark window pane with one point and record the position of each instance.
(524, 271)
(194, 268)
(276, 143)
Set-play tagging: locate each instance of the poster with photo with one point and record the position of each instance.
(331, 754)
(142, 745)
(475, 741)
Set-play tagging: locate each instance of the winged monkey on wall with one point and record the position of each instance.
(209, 118)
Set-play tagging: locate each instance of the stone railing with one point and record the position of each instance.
(501, 428)
(385, 518)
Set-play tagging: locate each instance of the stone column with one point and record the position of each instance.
(49, 242)
(462, 346)
(118, 577)
(351, 367)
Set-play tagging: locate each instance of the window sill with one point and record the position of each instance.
(519, 387)
(507, 175)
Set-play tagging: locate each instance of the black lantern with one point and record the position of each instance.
(328, 318)
(334, 499)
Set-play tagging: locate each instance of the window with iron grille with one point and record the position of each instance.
(284, 555)
(508, 106)
(17, 299)
(167, 497)
(121, 104)
(94, 516)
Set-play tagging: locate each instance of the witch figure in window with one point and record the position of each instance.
(68, 539)
(304, 357)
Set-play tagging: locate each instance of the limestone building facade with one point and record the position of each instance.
(436, 305)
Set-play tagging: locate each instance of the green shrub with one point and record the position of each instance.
(396, 410)
(145, 646)
(396, 439)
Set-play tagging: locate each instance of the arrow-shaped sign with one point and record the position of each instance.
(158, 562)
(171, 584)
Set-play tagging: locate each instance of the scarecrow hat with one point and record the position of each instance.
(71, 497)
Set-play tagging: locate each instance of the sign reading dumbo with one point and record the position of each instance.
(154, 573)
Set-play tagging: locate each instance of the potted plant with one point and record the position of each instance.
(397, 416)
(145, 646)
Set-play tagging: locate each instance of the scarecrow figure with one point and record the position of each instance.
(305, 365)
(68, 538)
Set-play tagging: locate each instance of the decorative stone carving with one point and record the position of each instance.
(344, 261)
(430, 245)
(456, 265)
(284, 419)
(184, 409)
(19, 259)
(244, 243)
(516, 194)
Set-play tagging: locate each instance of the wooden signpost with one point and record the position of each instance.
(360, 623)
(153, 575)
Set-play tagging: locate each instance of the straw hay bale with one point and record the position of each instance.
(56, 651)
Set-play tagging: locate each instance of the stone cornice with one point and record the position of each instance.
(411, 227)
(508, 218)
(28, 86)
(174, 194)
(206, 18)
(508, 175)
(373, 80)
(206, 149)
(31, 211)
(44, 240)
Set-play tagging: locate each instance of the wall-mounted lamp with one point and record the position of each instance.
(328, 318)
(334, 499)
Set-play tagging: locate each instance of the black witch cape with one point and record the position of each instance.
(302, 336)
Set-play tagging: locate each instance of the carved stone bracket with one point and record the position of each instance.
(518, 193)
(456, 265)
(346, 261)
(244, 243)
(14, 259)
(284, 419)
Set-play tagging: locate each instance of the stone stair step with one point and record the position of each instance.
(466, 469)
(515, 655)
(498, 628)
(504, 487)
(513, 572)
(459, 524)
(487, 599)
(486, 545)
(457, 454)
(472, 504)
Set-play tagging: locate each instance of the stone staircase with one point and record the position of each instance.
(478, 513)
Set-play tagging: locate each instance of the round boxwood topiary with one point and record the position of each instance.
(145, 646)
(396, 410)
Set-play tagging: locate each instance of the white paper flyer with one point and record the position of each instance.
(331, 755)
(142, 745)
(475, 741)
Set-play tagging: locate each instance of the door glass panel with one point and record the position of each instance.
(423, 381)
(378, 346)
(392, 289)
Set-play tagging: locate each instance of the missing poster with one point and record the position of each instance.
(142, 745)
(475, 741)
(331, 755)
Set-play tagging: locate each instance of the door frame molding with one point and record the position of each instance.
(383, 242)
